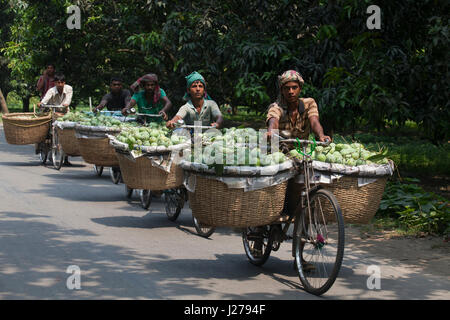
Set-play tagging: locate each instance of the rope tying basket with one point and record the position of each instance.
(25, 128)
(150, 168)
(358, 189)
(67, 138)
(239, 200)
(94, 145)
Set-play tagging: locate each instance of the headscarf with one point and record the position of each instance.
(190, 79)
(150, 77)
(287, 76)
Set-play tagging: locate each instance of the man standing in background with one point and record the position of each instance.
(47, 80)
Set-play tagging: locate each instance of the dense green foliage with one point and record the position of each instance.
(416, 210)
(359, 77)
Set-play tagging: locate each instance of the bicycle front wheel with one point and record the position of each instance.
(319, 242)
(57, 152)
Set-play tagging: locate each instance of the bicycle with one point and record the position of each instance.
(318, 237)
(51, 144)
(176, 198)
(114, 172)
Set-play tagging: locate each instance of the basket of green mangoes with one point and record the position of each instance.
(91, 132)
(147, 156)
(358, 180)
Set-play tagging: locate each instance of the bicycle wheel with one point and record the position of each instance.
(146, 198)
(57, 152)
(43, 152)
(258, 242)
(174, 202)
(202, 230)
(115, 174)
(98, 170)
(319, 242)
(128, 192)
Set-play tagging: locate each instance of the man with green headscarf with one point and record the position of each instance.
(199, 106)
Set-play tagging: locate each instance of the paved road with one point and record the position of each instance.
(50, 220)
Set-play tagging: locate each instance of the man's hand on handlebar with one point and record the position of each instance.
(170, 124)
(325, 138)
(163, 115)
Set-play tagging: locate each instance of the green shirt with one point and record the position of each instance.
(208, 114)
(148, 108)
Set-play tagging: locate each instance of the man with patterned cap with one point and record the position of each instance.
(297, 115)
(199, 106)
(151, 100)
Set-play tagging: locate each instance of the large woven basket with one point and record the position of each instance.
(94, 146)
(98, 151)
(68, 141)
(214, 204)
(22, 128)
(141, 174)
(358, 204)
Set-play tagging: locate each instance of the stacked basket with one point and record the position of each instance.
(94, 145)
(238, 198)
(67, 138)
(358, 189)
(141, 171)
(25, 128)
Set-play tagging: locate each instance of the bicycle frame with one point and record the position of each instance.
(308, 171)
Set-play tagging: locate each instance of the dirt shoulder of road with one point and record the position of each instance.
(430, 254)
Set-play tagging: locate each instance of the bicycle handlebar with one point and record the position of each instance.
(51, 106)
(306, 142)
(199, 127)
(149, 115)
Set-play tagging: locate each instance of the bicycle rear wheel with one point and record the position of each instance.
(98, 170)
(115, 174)
(319, 242)
(174, 201)
(146, 198)
(202, 230)
(43, 152)
(258, 242)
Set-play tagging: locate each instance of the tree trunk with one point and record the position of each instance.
(3, 106)
(26, 103)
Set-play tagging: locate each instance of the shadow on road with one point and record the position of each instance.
(35, 257)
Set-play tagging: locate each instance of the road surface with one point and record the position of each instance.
(51, 220)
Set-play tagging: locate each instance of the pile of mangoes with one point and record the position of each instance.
(354, 154)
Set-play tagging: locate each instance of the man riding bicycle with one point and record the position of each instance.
(295, 117)
(61, 94)
(199, 106)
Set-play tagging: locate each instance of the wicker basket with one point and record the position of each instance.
(358, 204)
(68, 141)
(141, 174)
(214, 204)
(98, 151)
(94, 146)
(25, 131)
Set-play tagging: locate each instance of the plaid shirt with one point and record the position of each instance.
(300, 127)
